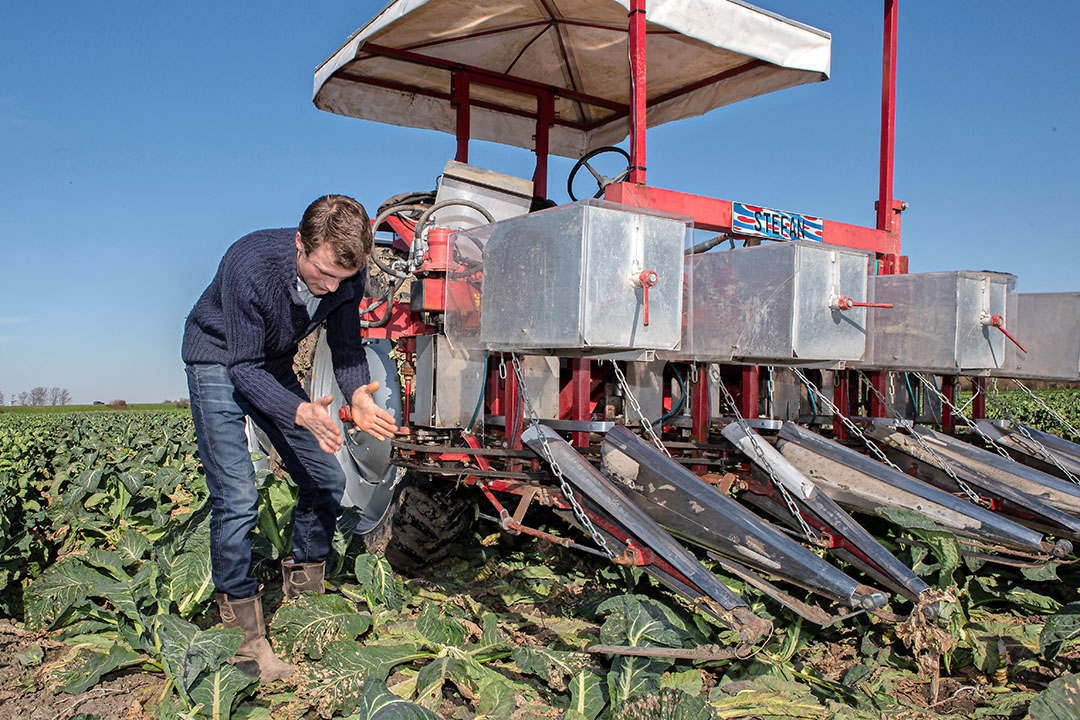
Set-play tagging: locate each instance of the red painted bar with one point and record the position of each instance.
(885, 211)
(582, 395)
(545, 116)
(840, 400)
(460, 84)
(511, 409)
(749, 391)
(638, 122)
(700, 415)
(708, 213)
(880, 382)
(715, 215)
(948, 389)
(489, 77)
(978, 404)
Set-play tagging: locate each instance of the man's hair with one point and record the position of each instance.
(341, 222)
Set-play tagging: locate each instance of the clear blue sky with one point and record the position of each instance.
(138, 140)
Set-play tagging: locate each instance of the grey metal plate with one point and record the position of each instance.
(1048, 324)
(448, 383)
(504, 196)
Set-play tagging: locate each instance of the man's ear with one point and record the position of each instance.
(299, 245)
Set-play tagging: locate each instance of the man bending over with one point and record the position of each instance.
(272, 289)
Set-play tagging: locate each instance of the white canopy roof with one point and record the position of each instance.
(701, 54)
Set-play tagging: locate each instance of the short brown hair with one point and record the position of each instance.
(343, 223)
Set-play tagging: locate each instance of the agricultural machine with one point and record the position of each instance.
(757, 394)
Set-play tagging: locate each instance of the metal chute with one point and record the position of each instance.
(855, 480)
(938, 467)
(860, 546)
(690, 576)
(694, 511)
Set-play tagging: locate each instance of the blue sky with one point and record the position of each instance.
(138, 140)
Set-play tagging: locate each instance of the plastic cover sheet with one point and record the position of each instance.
(581, 45)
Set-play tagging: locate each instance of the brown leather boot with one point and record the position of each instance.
(301, 577)
(255, 656)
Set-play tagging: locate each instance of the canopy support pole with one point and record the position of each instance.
(460, 95)
(545, 118)
(886, 212)
(637, 84)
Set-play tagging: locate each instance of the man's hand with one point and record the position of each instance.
(368, 416)
(315, 416)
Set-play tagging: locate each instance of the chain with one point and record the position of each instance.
(892, 388)
(830, 407)
(942, 462)
(1024, 431)
(629, 395)
(549, 457)
(714, 372)
(502, 366)
(986, 438)
(771, 385)
(1046, 407)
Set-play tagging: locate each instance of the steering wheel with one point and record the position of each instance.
(602, 181)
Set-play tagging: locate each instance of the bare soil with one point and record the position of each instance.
(27, 692)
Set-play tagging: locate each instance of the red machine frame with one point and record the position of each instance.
(576, 399)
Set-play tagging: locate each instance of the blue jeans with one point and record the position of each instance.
(219, 409)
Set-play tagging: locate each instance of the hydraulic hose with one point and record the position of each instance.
(417, 240)
(707, 245)
(423, 221)
(388, 301)
(392, 210)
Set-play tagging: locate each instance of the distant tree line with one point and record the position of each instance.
(40, 396)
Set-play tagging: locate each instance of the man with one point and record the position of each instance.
(272, 288)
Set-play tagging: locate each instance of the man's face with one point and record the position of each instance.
(319, 270)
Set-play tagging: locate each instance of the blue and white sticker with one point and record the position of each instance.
(774, 224)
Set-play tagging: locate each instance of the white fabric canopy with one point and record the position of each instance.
(701, 54)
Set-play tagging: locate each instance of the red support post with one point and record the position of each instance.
(749, 391)
(885, 210)
(948, 389)
(877, 408)
(511, 410)
(701, 413)
(545, 116)
(840, 400)
(460, 95)
(638, 123)
(581, 382)
(978, 404)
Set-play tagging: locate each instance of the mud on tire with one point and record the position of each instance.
(425, 518)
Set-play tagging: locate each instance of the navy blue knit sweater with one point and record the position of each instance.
(251, 318)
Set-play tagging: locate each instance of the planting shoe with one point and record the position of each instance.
(302, 577)
(255, 656)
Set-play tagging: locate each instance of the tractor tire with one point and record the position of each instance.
(425, 518)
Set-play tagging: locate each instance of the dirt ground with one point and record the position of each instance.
(26, 692)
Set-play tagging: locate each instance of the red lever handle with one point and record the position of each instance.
(647, 278)
(999, 322)
(846, 303)
(345, 415)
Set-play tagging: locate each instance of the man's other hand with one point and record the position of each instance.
(315, 416)
(368, 416)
